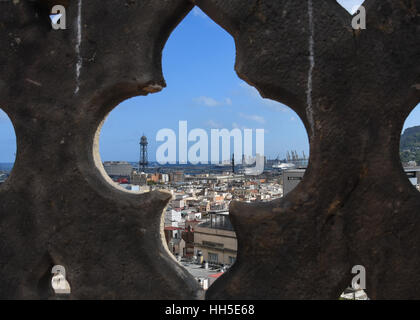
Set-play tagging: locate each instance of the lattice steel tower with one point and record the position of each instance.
(233, 163)
(143, 153)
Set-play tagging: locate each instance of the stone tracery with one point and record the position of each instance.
(355, 205)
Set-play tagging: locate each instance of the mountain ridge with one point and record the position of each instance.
(410, 145)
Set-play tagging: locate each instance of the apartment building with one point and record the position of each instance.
(216, 240)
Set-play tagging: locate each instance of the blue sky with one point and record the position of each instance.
(7, 139)
(202, 88)
(350, 5)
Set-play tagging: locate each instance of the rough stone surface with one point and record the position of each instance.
(57, 207)
(355, 205)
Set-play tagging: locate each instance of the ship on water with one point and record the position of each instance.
(292, 161)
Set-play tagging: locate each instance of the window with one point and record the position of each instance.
(213, 244)
(213, 257)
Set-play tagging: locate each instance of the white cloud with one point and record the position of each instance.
(237, 126)
(252, 117)
(207, 101)
(211, 102)
(213, 124)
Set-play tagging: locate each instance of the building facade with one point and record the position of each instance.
(216, 240)
(118, 168)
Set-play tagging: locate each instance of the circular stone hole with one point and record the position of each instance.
(410, 147)
(204, 94)
(7, 147)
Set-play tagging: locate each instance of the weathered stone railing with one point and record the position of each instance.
(352, 89)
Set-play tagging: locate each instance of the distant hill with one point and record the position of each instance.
(410, 145)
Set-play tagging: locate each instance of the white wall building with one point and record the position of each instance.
(179, 204)
(194, 215)
(172, 218)
(118, 168)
